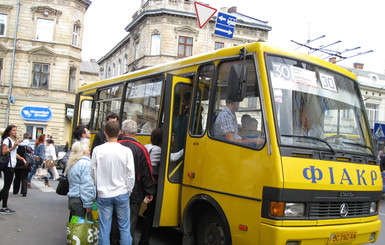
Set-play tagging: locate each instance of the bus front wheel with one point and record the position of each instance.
(211, 230)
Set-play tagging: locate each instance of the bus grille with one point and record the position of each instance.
(332, 209)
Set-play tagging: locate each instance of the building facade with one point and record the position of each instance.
(40, 56)
(165, 30)
(372, 87)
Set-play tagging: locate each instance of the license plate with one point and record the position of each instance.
(342, 237)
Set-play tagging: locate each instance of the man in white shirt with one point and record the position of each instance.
(114, 174)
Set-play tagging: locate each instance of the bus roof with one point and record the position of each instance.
(214, 55)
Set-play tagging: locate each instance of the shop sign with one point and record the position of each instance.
(35, 113)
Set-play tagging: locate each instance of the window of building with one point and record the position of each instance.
(118, 67)
(35, 131)
(1, 69)
(75, 35)
(44, 30)
(185, 46)
(72, 77)
(113, 70)
(125, 62)
(40, 75)
(136, 55)
(219, 45)
(3, 25)
(372, 110)
(109, 72)
(155, 44)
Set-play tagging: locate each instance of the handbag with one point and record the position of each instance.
(41, 172)
(86, 233)
(30, 158)
(63, 186)
(50, 163)
(4, 159)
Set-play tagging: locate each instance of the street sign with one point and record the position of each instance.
(204, 13)
(225, 25)
(379, 131)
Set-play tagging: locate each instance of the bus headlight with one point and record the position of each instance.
(373, 207)
(294, 210)
(289, 209)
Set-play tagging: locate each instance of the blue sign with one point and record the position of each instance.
(225, 25)
(379, 131)
(34, 113)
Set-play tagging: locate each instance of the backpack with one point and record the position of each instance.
(4, 159)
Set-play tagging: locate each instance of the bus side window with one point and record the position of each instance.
(85, 112)
(108, 101)
(238, 122)
(142, 103)
(200, 104)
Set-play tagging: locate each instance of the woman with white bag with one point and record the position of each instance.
(50, 158)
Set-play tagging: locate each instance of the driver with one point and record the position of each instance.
(307, 127)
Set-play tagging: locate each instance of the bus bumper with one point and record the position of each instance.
(366, 232)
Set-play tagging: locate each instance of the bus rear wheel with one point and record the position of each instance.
(211, 230)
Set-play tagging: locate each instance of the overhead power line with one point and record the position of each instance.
(330, 52)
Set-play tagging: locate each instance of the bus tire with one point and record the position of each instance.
(211, 230)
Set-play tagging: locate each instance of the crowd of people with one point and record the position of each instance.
(119, 173)
(18, 170)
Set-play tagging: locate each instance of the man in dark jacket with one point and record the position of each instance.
(144, 181)
(99, 137)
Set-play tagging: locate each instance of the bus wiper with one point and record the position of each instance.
(310, 137)
(362, 145)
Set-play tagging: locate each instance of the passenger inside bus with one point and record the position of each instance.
(226, 125)
(151, 121)
(306, 127)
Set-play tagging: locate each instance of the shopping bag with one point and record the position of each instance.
(86, 233)
(41, 172)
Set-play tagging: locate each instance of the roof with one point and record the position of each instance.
(242, 20)
(373, 79)
(89, 67)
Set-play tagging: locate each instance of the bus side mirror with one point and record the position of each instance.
(236, 90)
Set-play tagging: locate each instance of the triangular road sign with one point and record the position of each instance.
(204, 13)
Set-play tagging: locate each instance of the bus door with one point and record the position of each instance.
(176, 112)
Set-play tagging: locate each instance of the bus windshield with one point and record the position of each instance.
(317, 108)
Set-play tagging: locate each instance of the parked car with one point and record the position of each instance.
(63, 159)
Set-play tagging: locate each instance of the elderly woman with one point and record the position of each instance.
(81, 186)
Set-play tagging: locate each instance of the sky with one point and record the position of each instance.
(356, 23)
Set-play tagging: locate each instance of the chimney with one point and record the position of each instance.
(93, 60)
(333, 60)
(233, 9)
(359, 66)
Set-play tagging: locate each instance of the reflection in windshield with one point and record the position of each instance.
(316, 103)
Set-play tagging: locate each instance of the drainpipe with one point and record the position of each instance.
(13, 64)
